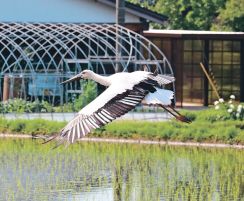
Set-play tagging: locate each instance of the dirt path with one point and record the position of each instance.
(132, 141)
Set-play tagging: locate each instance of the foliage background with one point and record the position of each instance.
(219, 15)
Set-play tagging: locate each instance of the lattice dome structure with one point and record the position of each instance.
(35, 58)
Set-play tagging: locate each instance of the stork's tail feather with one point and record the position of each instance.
(175, 113)
(60, 139)
(49, 139)
(183, 118)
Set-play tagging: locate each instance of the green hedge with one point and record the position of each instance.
(207, 126)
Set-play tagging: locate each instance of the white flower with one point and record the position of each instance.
(237, 115)
(216, 107)
(216, 102)
(239, 108)
(232, 106)
(230, 102)
(229, 110)
(232, 97)
(221, 100)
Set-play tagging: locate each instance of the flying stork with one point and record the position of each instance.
(124, 92)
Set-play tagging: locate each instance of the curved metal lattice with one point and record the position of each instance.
(35, 58)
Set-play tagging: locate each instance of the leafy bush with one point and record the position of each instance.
(228, 131)
(88, 95)
(33, 127)
(232, 109)
(21, 106)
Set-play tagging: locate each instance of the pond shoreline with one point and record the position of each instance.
(133, 141)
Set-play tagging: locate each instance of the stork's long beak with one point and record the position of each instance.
(76, 77)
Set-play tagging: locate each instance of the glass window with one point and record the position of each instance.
(188, 45)
(187, 57)
(227, 57)
(216, 58)
(197, 45)
(198, 83)
(197, 71)
(227, 70)
(236, 57)
(216, 45)
(236, 85)
(236, 71)
(217, 70)
(236, 46)
(197, 57)
(227, 45)
(192, 75)
(226, 86)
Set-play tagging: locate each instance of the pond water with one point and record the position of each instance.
(84, 171)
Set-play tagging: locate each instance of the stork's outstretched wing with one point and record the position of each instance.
(114, 102)
(114, 107)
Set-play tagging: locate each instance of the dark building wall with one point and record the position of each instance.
(221, 55)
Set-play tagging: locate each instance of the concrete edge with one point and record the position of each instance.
(132, 141)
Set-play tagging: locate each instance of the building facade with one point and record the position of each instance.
(43, 43)
(222, 54)
(44, 36)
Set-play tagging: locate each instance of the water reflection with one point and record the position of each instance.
(114, 172)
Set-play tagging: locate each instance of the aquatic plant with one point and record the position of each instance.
(101, 171)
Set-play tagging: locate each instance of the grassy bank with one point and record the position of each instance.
(207, 126)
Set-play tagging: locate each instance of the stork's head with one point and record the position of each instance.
(85, 74)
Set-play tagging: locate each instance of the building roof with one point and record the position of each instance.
(139, 11)
(192, 34)
(76, 11)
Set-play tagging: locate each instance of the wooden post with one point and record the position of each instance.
(242, 72)
(210, 80)
(206, 66)
(120, 20)
(6, 88)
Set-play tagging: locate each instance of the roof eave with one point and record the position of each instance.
(193, 34)
(139, 11)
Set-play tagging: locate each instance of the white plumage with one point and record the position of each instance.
(124, 92)
(160, 96)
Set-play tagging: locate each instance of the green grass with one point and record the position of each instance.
(207, 126)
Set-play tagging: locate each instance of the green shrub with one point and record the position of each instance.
(88, 95)
(21, 106)
(205, 128)
(233, 109)
(17, 126)
(43, 127)
(4, 125)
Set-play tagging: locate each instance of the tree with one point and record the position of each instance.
(231, 17)
(187, 14)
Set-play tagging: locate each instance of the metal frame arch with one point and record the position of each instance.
(29, 45)
(50, 45)
(100, 30)
(84, 36)
(42, 47)
(161, 53)
(68, 40)
(20, 50)
(86, 33)
(123, 30)
(92, 29)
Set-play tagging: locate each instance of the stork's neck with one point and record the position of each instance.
(103, 80)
